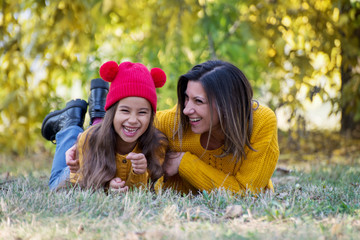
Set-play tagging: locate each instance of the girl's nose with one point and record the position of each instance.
(132, 118)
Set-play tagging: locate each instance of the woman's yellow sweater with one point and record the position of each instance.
(123, 166)
(202, 169)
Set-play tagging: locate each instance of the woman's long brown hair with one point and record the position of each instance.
(227, 87)
(99, 151)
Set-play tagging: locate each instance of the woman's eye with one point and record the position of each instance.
(124, 110)
(199, 101)
(143, 112)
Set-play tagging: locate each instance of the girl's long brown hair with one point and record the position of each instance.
(99, 151)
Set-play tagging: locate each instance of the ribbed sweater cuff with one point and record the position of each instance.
(187, 170)
(136, 180)
(73, 177)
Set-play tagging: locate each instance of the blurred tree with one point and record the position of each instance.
(313, 47)
(44, 45)
(177, 34)
(48, 45)
(282, 46)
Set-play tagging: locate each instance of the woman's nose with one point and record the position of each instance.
(188, 109)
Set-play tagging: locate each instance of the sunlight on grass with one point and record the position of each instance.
(323, 203)
(317, 196)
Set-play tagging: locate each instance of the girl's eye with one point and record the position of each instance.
(124, 110)
(143, 112)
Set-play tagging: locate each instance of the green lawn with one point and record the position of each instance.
(320, 203)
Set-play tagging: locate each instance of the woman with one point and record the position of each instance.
(220, 136)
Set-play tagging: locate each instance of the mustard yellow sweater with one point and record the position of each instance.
(202, 170)
(123, 166)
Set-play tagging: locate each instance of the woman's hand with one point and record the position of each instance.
(71, 159)
(117, 185)
(138, 161)
(172, 163)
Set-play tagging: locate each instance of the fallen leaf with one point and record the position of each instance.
(233, 211)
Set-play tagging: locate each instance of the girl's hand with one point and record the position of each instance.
(172, 163)
(116, 184)
(138, 161)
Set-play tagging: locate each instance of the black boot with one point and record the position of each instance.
(97, 98)
(72, 115)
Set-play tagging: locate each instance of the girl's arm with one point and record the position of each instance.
(138, 175)
(137, 180)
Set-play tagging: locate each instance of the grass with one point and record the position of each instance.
(321, 204)
(318, 199)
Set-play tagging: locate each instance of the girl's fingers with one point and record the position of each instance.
(139, 170)
(116, 183)
(117, 179)
(135, 156)
(124, 189)
(120, 190)
(142, 166)
(139, 163)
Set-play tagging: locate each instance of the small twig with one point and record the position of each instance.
(8, 181)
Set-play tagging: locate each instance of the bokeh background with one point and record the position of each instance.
(301, 56)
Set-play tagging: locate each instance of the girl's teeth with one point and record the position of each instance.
(130, 129)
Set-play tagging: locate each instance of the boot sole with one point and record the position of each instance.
(99, 83)
(73, 103)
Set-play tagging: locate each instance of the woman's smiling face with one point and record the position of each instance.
(197, 109)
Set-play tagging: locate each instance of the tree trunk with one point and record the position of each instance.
(349, 126)
(349, 62)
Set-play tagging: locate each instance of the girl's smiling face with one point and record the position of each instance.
(131, 120)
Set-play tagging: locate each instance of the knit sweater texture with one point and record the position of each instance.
(202, 169)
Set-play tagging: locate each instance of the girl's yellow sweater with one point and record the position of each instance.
(202, 169)
(123, 166)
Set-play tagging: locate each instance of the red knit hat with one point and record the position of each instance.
(131, 80)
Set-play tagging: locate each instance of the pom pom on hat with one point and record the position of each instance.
(109, 70)
(158, 76)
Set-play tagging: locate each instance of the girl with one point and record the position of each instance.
(124, 148)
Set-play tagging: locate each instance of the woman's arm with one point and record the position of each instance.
(75, 157)
(71, 159)
(254, 172)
